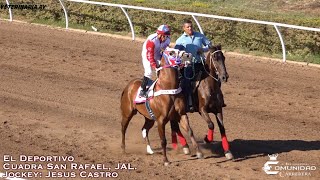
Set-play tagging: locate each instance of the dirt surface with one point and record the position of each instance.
(60, 92)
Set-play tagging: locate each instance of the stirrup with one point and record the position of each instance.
(190, 104)
(191, 109)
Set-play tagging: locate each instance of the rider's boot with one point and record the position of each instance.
(190, 102)
(143, 92)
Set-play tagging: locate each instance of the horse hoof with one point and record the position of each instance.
(166, 163)
(206, 141)
(186, 150)
(228, 155)
(149, 150)
(199, 155)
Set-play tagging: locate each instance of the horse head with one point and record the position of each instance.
(176, 58)
(172, 60)
(216, 62)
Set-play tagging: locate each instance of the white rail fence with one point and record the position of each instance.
(194, 16)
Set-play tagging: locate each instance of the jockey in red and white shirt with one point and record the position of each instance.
(152, 52)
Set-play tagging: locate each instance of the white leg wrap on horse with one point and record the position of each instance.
(186, 150)
(229, 155)
(149, 150)
(199, 155)
(144, 133)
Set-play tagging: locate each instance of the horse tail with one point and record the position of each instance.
(122, 93)
(126, 99)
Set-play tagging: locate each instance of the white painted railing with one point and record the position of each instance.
(194, 15)
(10, 12)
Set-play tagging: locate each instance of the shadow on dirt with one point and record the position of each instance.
(247, 149)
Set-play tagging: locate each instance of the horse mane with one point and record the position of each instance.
(162, 61)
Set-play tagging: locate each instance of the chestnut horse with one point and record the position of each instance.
(165, 107)
(209, 98)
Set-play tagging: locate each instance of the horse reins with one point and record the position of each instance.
(166, 91)
(211, 62)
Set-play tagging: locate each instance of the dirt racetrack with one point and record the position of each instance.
(59, 96)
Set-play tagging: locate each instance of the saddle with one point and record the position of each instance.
(150, 92)
(173, 58)
(190, 85)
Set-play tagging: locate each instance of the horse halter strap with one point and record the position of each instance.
(211, 62)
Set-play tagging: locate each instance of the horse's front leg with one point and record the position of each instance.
(148, 124)
(161, 130)
(186, 126)
(224, 140)
(205, 115)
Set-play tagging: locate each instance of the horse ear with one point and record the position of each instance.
(218, 47)
(212, 49)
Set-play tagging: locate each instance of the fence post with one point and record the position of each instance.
(65, 13)
(10, 12)
(282, 44)
(195, 19)
(131, 26)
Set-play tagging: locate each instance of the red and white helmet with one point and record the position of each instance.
(164, 30)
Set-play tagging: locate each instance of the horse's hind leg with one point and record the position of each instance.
(175, 130)
(148, 124)
(186, 126)
(225, 143)
(126, 117)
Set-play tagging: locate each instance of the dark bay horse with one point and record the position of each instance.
(209, 98)
(165, 107)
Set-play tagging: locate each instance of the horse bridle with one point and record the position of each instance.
(211, 62)
(168, 65)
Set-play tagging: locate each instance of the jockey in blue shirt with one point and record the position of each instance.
(195, 43)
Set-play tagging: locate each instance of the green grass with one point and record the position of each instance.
(287, 11)
(62, 24)
(315, 59)
(242, 37)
